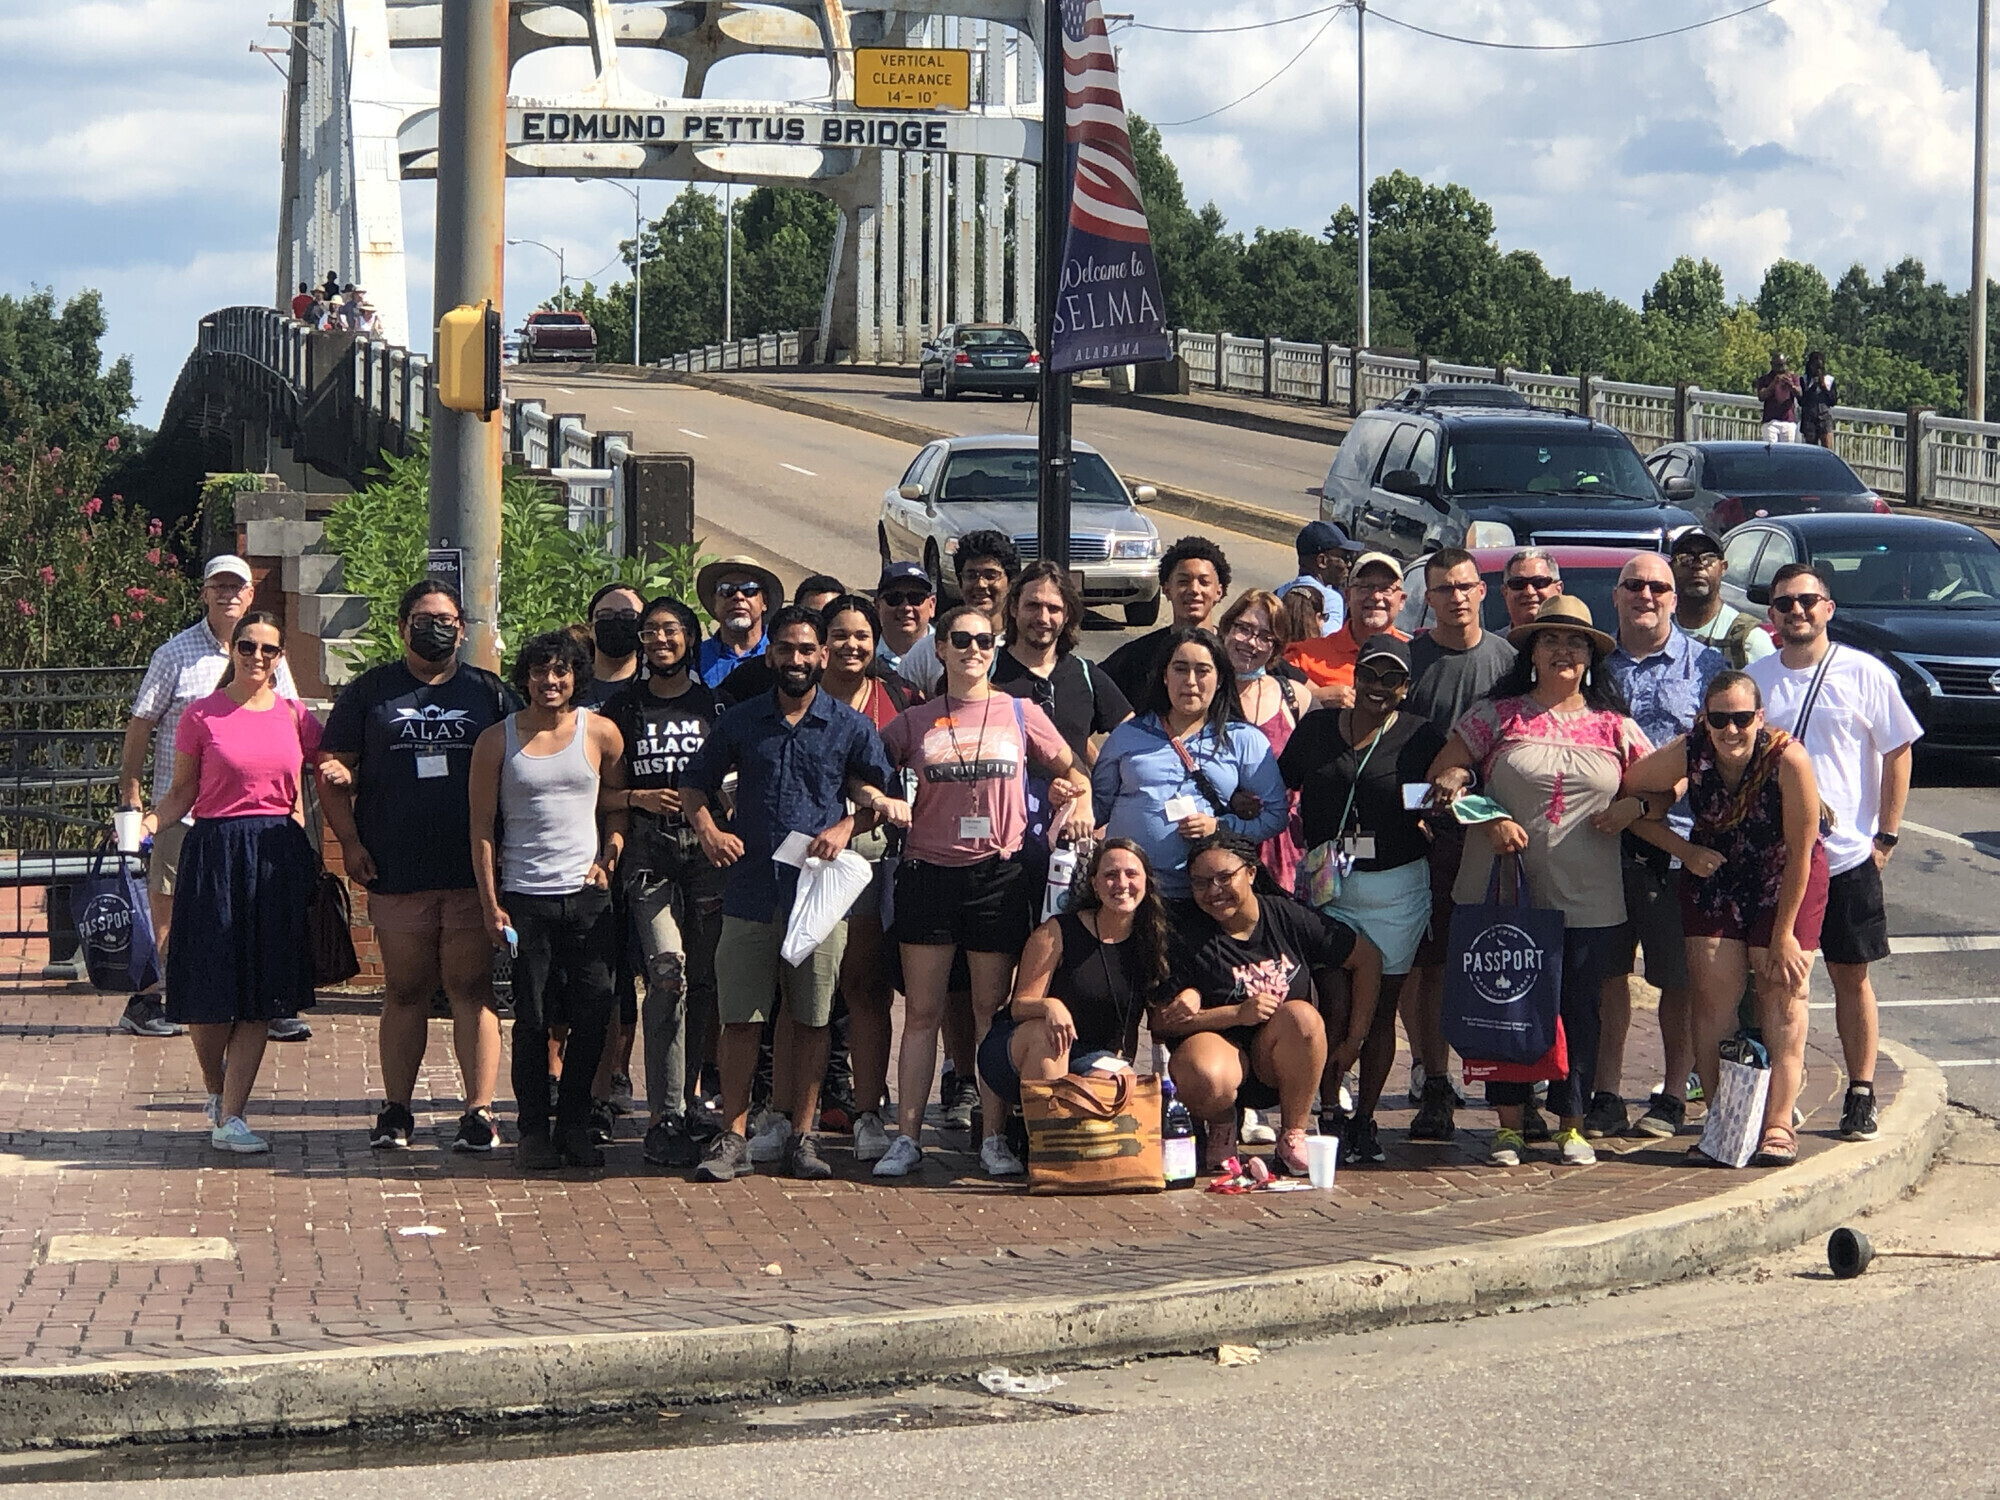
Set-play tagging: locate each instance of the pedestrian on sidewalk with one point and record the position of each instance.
(1817, 399)
(986, 565)
(1753, 889)
(544, 879)
(1696, 556)
(738, 593)
(1844, 706)
(1323, 550)
(246, 872)
(815, 592)
(1194, 575)
(187, 667)
(1254, 635)
(1532, 579)
(796, 753)
(1374, 599)
(1662, 673)
(1778, 389)
(405, 732)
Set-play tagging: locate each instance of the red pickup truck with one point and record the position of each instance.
(548, 336)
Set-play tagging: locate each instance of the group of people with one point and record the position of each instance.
(335, 307)
(1798, 410)
(1259, 806)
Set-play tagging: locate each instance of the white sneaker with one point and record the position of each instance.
(213, 1109)
(1417, 1077)
(902, 1157)
(1576, 1151)
(1253, 1131)
(768, 1144)
(1346, 1097)
(233, 1135)
(871, 1141)
(998, 1158)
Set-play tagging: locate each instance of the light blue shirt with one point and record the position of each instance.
(1138, 773)
(1332, 604)
(1664, 692)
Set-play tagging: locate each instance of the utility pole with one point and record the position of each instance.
(1975, 375)
(471, 228)
(1361, 169)
(1053, 442)
(728, 261)
(638, 262)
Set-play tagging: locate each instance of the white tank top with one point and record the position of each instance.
(548, 811)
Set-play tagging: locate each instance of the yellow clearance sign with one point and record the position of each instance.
(912, 78)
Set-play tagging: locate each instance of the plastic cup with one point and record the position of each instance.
(1322, 1158)
(128, 828)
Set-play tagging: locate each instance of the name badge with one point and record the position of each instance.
(1358, 846)
(1180, 808)
(432, 767)
(975, 828)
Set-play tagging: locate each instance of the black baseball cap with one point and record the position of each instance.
(1385, 646)
(1695, 539)
(1322, 536)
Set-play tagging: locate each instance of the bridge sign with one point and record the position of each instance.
(912, 78)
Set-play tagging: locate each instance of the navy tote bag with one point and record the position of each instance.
(1503, 976)
(115, 923)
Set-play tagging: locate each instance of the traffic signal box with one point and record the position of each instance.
(468, 360)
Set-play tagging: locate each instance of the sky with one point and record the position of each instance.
(139, 141)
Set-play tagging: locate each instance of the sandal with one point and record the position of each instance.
(1696, 1157)
(1779, 1148)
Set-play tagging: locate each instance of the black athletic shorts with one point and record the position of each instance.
(1856, 929)
(981, 908)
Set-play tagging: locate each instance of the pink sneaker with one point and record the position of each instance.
(1291, 1153)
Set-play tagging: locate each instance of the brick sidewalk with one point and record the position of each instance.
(101, 1134)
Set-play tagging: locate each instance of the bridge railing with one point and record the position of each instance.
(765, 351)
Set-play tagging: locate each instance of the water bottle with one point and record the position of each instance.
(1177, 1153)
(1062, 870)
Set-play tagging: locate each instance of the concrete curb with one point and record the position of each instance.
(157, 1401)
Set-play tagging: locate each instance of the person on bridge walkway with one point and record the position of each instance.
(1817, 399)
(1374, 599)
(1778, 388)
(1531, 579)
(738, 593)
(1194, 575)
(305, 306)
(188, 666)
(907, 602)
(754, 676)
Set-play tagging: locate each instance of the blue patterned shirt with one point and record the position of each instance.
(1664, 692)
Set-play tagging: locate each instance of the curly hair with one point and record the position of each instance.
(1195, 549)
(551, 647)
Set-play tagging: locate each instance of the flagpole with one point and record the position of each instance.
(1052, 510)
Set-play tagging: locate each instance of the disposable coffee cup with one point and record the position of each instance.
(1322, 1157)
(128, 828)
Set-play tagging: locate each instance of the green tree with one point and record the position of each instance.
(1291, 286)
(52, 374)
(1795, 295)
(1200, 262)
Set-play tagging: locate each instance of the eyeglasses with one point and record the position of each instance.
(1522, 585)
(1741, 718)
(1456, 590)
(1651, 586)
(901, 601)
(1386, 586)
(250, 649)
(1252, 634)
(1215, 882)
(1391, 679)
(662, 633)
(1696, 559)
(748, 590)
(965, 639)
(621, 614)
(227, 584)
(1784, 604)
(419, 622)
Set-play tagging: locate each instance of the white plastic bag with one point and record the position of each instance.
(827, 888)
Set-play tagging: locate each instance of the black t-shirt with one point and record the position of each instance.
(1103, 987)
(415, 742)
(1135, 666)
(600, 691)
(1081, 700)
(661, 734)
(1287, 944)
(1320, 764)
(755, 677)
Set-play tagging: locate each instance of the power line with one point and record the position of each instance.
(1197, 119)
(1622, 41)
(1250, 26)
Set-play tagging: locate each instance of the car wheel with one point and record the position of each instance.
(950, 390)
(882, 543)
(923, 385)
(1143, 612)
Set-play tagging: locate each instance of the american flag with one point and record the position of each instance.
(1106, 196)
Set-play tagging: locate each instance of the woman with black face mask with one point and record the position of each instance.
(672, 893)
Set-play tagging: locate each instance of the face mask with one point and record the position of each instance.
(433, 640)
(672, 669)
(1250, 676)
(617, 638)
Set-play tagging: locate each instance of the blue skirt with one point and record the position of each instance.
(237, 950)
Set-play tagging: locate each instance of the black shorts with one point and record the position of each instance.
(981, 908)
(1856, 929)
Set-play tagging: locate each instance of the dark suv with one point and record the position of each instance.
(1410, 478)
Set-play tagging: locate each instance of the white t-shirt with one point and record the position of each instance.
(1860, 717)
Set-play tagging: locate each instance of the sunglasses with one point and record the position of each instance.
(1646, 586)
(1215, 882)
(1784, 604)
(966, 639)
(1392, 679)
(748, 590)
(1522, 585)
(1741, 718)
(249, 649)
(902, 601)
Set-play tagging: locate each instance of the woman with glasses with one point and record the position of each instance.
(1368, 863)
(1255, 632)
(1187, 765)
(962, 883)
(1257, 974)
(1753, 885)
(1550, 746)
(240, 959)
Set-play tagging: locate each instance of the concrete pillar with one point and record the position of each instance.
(867, 332)
(993, 182)
(889, 259)
(963, 199)
(1022, 273)
(913, 255)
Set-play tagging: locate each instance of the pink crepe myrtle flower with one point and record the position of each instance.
(111, 444)
(93, 506)
(27, 610)
(48, 577)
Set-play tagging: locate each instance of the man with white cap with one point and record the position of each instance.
(1374, 599)
(187, 667)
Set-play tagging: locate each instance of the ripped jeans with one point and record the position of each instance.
(674, 896)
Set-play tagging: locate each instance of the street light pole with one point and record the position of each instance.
(638, 263)
(1361, 169)
(1975, 375)
(562, 273)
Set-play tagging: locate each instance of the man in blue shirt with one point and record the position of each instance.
(797, 754)
(737, 592)
(1663, 673)
(1323, 549)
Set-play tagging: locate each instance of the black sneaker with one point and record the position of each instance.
(1362, 1143)
(578, 1145)
(1334, 1122)
(288, 1029)
(802, 1159)
(537, 1153)
(392, 1129)
(146, 1016)
(668, 1144)
(1434, 1120)
(1662, 1120)
(1858, 1120)
(1533, 1126)
(603, 1122)
(476, 1131)
(959, 1097)
(727, 1158)
(1607, 1116)
(704, 1121)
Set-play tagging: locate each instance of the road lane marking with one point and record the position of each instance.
(565, 390)
(1915, 1004)
(797, 470)
(1972, 1062)
(626, 409)
(1952, 838)
(1954, 942)
(690, 432)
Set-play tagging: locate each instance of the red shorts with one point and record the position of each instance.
(1757, 933)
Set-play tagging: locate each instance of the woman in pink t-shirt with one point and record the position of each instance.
(239, 957)
(961, 883)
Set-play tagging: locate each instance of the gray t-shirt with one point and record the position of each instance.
(1444, 683)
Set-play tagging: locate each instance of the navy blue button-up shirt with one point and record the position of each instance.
(1664, 691)
(789, 780)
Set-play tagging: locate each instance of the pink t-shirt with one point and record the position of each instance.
(251, 760)
(967, 756)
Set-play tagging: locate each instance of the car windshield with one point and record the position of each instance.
(1594, 586)
(1010, 474)
(546, 320)
(1546, 463)
(994, 340)
(1912, 574)
(1783, 466)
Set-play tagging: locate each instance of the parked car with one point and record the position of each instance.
(1736, 482)
(1922, 595)
(1588, 573)
(1438, 393)
(989, 357)
(963, 484)
(551, 336)
(1409, 479)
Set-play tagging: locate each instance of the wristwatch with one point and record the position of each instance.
(1887, 840)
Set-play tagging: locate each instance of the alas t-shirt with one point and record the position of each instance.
(251, 759)
(968, 758)
(1281, 952)
(1445, 682)
(1320, 764)
(661, 736)
(1080, 700)
(415, 740)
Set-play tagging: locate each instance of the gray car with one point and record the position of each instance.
(964, 484)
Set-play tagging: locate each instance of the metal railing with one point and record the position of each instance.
(766, 351)
(67, 697)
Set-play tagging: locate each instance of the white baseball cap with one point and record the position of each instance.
(227, 563)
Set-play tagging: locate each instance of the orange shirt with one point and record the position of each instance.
(1328, 660)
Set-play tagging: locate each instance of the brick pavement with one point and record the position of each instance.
(102, 1134)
